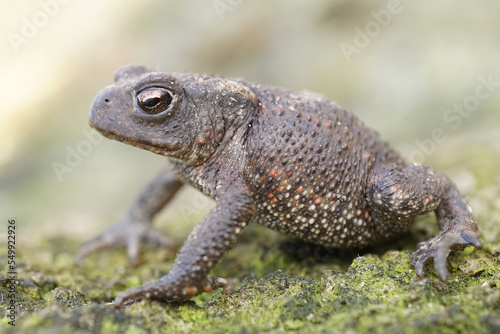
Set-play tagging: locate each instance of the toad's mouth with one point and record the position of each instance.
(163, 148)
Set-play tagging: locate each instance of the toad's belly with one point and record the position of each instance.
(328, 220)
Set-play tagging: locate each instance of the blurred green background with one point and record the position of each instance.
(399, 65)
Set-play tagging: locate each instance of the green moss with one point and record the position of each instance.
(377, 293)
(66, 297)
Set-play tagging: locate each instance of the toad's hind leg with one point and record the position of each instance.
(396, 194)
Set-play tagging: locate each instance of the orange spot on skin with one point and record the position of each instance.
(280, 172)
(299, 189)
(275, 200)
(317, 201)
(273, 187)
(280, 189)
(367, 214)
(272, 173)
(285, 182)
(431, 198)
(329, 124)
(270, 196)
(202, 142)
(191, 291)
(207, 135)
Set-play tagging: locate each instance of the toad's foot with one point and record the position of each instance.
(166, 289)
(459, 235)
(126, 233)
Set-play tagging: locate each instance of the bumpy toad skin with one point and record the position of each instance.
(295, 162)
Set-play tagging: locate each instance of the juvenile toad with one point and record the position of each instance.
(295, 162)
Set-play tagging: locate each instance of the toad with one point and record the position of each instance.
(292, 161)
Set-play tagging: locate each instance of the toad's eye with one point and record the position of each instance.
(154, 100)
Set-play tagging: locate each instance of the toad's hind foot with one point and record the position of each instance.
(460, 235)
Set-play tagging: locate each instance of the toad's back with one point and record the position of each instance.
(308, 164)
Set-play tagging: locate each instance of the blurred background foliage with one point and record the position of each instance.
(400, 78)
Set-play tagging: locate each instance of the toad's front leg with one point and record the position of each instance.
(136, 229)
(202, 250)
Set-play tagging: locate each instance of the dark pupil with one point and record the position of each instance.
(154, 100)
(151, 102)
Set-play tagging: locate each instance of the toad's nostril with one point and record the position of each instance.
(106, 100)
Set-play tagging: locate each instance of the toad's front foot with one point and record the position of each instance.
(128, 233)
(460, 235)
(167, 289)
